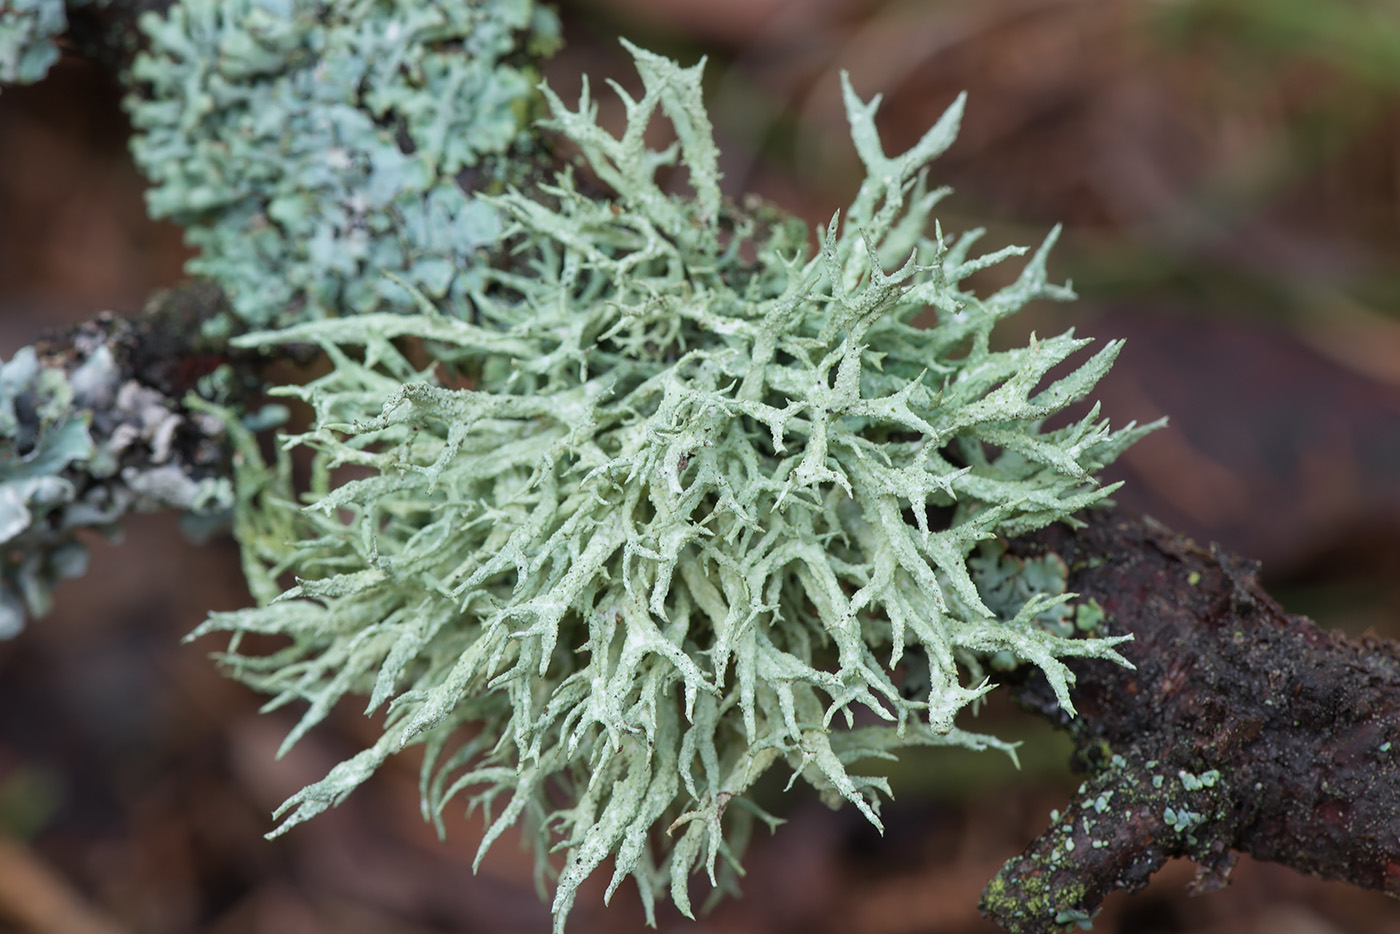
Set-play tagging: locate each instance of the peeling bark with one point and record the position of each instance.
(1241, 728)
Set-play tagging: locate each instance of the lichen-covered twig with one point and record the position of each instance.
(310, 148)
(678, 527)
(710, 492)
(93, 425)
(1241, 728)
(319, 155)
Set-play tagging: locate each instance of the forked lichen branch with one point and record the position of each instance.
(678, 499)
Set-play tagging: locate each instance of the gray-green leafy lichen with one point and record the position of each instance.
(82, 443)
(308, 148)
(656, 517)
(34, 459)
(28, 29)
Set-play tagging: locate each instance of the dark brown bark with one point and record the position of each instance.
(1241, 728)
(110, 35)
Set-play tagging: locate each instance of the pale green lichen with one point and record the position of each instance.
(655, 517)
(1197, 782)
(308, 148)
(1089, 616)
(1006, 582)
(1181, 820)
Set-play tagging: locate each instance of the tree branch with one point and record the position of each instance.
(1242, 729)
(94, 424)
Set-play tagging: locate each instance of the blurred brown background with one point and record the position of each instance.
(1228, 173)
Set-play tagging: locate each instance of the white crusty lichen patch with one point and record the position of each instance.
(680, 501)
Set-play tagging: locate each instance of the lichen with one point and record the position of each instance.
(1192, 782)
(1007, 581)
(28, 29)
(310, 148)
(655, 516)
(1030, 901)
(1089, 616)
(82, 444)
(34, 455)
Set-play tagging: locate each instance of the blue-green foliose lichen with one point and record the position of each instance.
(309, 148)
(81, 446)
(28, 30)
(34, 457)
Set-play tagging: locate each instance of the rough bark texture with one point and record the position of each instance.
(1241, 729)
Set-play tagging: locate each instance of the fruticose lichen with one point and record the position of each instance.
(82, 443)
(308, 148)
(675, 500)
